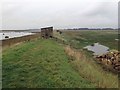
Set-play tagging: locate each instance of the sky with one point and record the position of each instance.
(34, 14)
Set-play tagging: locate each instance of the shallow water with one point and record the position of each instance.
(13, 34)
(98, 49)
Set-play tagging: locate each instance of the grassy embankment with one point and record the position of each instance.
(83, 61)
(43, 63)
(40, 63)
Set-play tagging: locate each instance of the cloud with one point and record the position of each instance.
(19, 14)
(104, 9)
(105, 14)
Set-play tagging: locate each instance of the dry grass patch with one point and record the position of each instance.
(90, 70)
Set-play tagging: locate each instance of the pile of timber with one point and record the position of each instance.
(111, 59)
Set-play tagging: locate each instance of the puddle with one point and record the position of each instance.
(97, 48)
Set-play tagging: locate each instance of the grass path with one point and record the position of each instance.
(40, 63)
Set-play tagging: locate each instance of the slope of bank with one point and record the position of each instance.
(83, 61)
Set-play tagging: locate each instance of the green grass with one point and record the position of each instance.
(84, 38)
(44, 63)
(86, 65)
(39, 64)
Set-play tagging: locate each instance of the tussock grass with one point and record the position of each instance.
(91, 71)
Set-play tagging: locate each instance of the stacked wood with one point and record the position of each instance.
(111, 59)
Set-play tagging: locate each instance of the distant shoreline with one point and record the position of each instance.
(38, 30)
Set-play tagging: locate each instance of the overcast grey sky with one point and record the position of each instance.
(26, 14)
